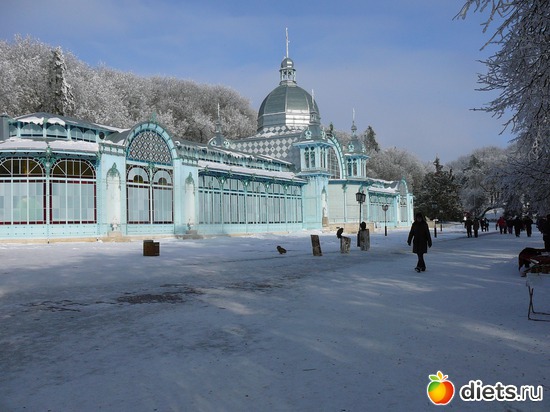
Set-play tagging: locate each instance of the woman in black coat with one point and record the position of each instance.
(421, 240)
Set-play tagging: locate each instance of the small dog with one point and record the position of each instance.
(281, 250)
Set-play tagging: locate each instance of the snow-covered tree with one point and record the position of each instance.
(397, 164)
(60, 100)
(438, 195)
(520, 72)
(36, 77)
(479, 175)
(371, 144)
(23, 75)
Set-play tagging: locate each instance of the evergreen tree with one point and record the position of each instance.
(438, 196)
(370, 141)
(61, 100)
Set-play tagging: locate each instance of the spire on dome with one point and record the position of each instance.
(314, 117)
(287, 70)
(218, 129)
(219, 139)
(353, 127)
(287, 41)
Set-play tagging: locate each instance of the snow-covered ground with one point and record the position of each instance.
(228, 324)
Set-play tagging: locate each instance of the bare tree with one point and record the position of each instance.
(520, 72)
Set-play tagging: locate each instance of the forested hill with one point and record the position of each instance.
(37, 77)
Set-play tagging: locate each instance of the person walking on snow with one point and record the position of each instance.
(501, 224)
(528, 224)
(545, 229)
(468, 223)
(476, 227)
(421, 240)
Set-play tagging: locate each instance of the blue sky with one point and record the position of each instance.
(405, 66)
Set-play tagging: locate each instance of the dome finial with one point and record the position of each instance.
(218, 129)
(287, 71)
(353, 127)
(287, 41)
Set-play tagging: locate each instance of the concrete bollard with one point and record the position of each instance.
(345, 244)
(316, 245)
(364, 239)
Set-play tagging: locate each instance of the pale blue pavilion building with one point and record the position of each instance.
(66, 178)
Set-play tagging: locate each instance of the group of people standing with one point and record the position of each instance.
(515, 225)
(421, 240)
(474, 225)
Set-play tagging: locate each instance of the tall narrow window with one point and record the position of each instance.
(22, 192)
(138, 195)
(73, 192)
(162, 197)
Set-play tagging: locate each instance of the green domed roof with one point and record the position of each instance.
(287, 105)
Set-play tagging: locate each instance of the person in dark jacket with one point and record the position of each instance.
(421, 240)
(518, 225)
(468, 223)
(528, 224)
(476, 226)
(510, 225)
(545, 229)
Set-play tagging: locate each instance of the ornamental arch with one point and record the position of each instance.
(150, 154)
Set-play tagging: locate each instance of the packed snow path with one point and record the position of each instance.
(229, 324)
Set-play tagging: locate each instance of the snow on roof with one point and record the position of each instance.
(48, 118)
(40, 120)
(374, 189)
(15, 143)
(248, 171)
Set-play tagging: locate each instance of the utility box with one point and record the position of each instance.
(151, 248)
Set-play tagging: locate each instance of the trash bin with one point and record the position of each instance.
(151, 248)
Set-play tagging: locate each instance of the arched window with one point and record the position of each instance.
(73, 192)
(149, 146)
(333, 165)
(76, 134)
(162, 197)
(56, 131)
(31, 130)
(22, 192)
(149, 200)
(89, 136)
(138, 195)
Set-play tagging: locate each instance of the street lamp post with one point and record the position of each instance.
(360, 197)
(434, 206)
(385, 209)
